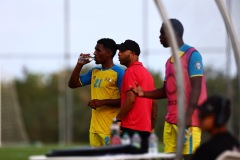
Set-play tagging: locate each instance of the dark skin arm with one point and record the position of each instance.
(196, 83)
(154, 114)
(95, 103)
(154, 94)
(74, 79)
(127, 105)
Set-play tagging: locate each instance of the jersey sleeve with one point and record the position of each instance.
(195, 67)
(120, 73)
(85, 79)
(119, 78)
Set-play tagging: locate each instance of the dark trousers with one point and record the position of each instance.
(143, 134)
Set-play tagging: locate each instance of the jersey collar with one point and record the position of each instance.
(135, 63)
(181, 52)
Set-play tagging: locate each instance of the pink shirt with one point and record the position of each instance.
(172, 113)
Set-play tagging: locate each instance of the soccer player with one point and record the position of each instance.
(214, 114)
(105, 84)
(194, 87)
(136, 114)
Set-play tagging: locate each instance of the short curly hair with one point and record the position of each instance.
(108, 44)
(177, 26)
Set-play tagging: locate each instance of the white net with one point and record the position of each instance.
(13, 129)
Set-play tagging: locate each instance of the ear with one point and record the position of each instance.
(109, 52)
(133, 54)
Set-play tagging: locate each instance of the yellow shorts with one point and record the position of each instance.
(192, 141)
(97, 139)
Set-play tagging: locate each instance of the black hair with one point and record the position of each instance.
(177, 26)
(108, 44)
(221, 109)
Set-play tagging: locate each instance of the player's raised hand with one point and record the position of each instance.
(84, 59)
(137, 90)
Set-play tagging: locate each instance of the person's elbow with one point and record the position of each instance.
(129, 104)
(131, 97)
(73, 85)
(70, 85)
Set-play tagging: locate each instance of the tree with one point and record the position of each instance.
(38, 96)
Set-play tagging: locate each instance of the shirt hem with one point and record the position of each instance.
(80, 82)
(136, 129)
(177, 125)
(197, 75)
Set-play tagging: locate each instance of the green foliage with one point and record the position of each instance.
(38, 96)
(216, 82)
(162, 106)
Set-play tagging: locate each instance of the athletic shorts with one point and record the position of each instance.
(191, 141)
(97, 139)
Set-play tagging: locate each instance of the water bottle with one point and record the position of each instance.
(115, 137)
(153, 143)
(136, 140)
(85, 59)
(125, 139)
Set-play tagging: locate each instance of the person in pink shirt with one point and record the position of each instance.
(194, 91)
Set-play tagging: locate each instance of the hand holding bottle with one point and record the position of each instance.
(85, 58)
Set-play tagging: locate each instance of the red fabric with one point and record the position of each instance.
(171, 116)
(139, 117)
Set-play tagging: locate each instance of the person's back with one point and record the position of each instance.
(214, 114)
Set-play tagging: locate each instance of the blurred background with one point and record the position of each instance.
(40, 42)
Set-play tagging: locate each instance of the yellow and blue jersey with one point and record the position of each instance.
(105, 84)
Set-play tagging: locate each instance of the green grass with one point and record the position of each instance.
(23, 152)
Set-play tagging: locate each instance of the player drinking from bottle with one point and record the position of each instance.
(194, 89)
(105, 84)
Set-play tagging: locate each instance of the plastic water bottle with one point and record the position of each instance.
(85, 59)
(115, 137)
(126, 139)
(136, 140)
(153, 143)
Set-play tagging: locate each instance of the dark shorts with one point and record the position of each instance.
(143, 134)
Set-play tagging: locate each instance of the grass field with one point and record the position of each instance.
(23, 153)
